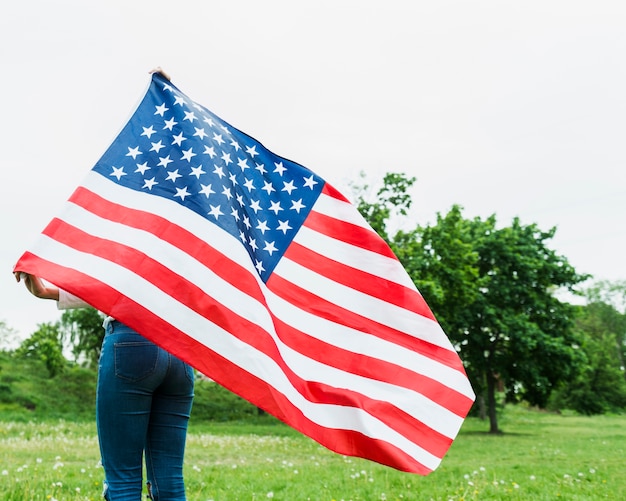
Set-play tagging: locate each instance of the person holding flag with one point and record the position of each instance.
(262, 276)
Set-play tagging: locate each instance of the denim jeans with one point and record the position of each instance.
(143, 403)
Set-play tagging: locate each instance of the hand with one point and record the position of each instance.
(36, 286)
(159, 70)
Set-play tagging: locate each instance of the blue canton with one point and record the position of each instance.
(175, 148)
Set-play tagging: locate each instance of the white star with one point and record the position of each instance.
(142, 168)
(188, 155)
(297, 205)
(234, 213)
(148, 131)
(215, 211)
(206, 190)
(251, 150)
(226, 158)
(168, 87)
(209, 150)
(283, 226)
(157, 146)
(224, 128)
(275, 207)
(267, 186)
(289, 187)
(149, 183)
(243, 163)
(270, 247)
(226, 192)
(310, 182)
(261, 168)
(280, 168)
(233, 179)
(173, 175)
(235, 145)
(239, 198)
(190, 115)
(209, 121)
(160, 110)
(133, 152)
(252, 243)
(219, 171)
(169, 124)
(262, 227)
(118, 172)
(178, 140)
(179, 100)
(164, 161)
(182, 193)
(246, 222)
(200, 133)
(255, 206)
(218, 138)
(249, 184)
(259, 267)
(242, 236)
(197, 171)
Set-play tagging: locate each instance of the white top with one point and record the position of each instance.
(69, 301)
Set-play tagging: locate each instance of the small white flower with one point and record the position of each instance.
(269, 495)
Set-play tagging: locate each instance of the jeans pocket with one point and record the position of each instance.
(135, 360)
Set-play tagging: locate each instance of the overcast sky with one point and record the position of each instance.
(507, 108)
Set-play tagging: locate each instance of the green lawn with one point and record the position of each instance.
(539, 457)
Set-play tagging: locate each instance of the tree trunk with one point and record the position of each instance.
(482, 408)
(491, 403)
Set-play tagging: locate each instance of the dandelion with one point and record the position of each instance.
(532, 477)
(5, 472)
(592, 470)
(269, 495)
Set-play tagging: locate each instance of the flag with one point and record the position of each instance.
(262, 276)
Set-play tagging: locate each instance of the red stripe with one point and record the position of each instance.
(349, 233)
(359, 280)
(241, 328)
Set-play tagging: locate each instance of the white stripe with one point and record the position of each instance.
(429, 412)
(338, 209)
(226, 345)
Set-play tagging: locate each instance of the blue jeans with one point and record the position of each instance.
(143, 403)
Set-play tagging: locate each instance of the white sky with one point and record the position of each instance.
(513, 108)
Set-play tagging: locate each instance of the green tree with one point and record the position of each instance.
(493, 291)
(511, 328)
(82, 330)
(599, 385)
(45, 344)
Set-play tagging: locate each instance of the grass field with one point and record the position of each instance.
(540, 456)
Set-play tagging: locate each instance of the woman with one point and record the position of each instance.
(143, 402)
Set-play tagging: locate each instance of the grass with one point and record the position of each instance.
(49, 452)
(540, 456)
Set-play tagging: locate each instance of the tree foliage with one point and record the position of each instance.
(45, 344)
(492, 289)
(82, 330)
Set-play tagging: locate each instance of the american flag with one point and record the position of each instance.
(263, 277)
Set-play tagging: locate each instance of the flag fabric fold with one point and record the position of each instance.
(262, 276)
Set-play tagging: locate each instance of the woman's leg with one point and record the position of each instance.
(127, 374)
(167, 432)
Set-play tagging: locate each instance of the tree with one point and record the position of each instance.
(45, 345)
(492, 289)
(510, 327)
(599, 385)
(82, 330)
